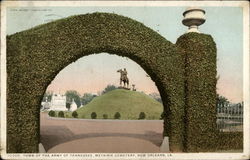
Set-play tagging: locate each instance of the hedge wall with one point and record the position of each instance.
(199, 52)
(35, 57)
(229, 141)
(185, 75)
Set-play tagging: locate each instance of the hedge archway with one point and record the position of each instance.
(37, 55)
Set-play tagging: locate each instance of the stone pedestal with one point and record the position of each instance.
(165, 145)
(41, 148)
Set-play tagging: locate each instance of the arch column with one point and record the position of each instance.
(199, 52)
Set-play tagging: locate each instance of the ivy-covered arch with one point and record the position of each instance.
(36, 56)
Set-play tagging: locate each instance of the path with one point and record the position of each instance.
(89, 136)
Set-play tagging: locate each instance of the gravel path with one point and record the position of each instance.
(107, 136)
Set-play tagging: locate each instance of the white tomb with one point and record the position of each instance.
(58, 103)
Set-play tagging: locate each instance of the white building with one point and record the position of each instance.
(58, 103)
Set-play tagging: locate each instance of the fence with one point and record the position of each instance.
(230, 117)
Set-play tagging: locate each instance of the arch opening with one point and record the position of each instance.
(144, 98)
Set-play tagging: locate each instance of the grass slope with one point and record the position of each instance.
(128, 103)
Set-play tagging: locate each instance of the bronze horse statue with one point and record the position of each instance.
(124, 77)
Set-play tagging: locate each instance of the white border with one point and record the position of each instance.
(243, 4)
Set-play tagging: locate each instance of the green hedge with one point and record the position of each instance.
(199, 52)
(37, 55)
(229, 141)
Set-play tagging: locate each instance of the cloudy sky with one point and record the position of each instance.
(92, 73)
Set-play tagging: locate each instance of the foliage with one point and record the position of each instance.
(221, 100)
(61, 114)
(48, 95)
(117, 115)
(68, 104)
(86, 98)
(72, 94)
(199, 52)
(105, 116)
(229, 141)
(93, 115)
(74, 114)
(156, 96)
(35, 56)
(142, 115)
(52, 113)
(109, 88)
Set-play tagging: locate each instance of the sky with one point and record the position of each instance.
(86, 76)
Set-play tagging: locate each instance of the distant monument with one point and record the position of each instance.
(124, 78)
(58, 103)
(73, 106)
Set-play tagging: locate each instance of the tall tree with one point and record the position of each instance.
(47, 94)
(109, 88)
(72, 94)
(86, 98)
(221, 101)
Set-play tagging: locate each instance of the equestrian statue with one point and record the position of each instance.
(124, 77)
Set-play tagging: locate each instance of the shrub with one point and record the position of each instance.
(52, 113)
(61, 114)
(75, 114)
(142, 115)
(105, 116)
(117, 115)
(93, 115)
(162, 116)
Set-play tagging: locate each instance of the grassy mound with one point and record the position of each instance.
(128, 103)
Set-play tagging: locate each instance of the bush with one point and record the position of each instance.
(93, 115)
(142, 115)
(61, 114)
(105, 116)
(162, 116)
(52, 113)
(75, 114)
(117, 115)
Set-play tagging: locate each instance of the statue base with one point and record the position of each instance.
(123, 88)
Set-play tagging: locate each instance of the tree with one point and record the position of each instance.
(86, 98)
(61, 114)
(156, 96)
(221, 101)
(109, 88)
(68, 105)
(75, 114)
(52, 113)
(72, 94)
(93, 115)
(47, 94)
(142, 115)
(117, 115)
